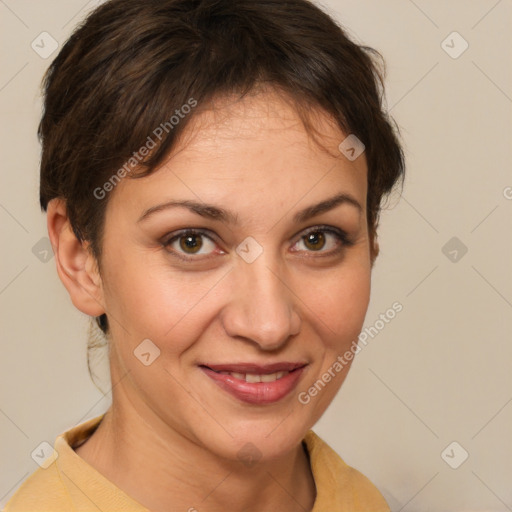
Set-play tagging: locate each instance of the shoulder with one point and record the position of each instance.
(340, 486)
(42, 491)
(66, 482)
(48, 488)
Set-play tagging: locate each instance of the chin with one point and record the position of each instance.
(259, 439)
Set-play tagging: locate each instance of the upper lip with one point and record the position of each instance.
(260, 369)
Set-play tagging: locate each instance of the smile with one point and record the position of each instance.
(253, 377)
(256, 384)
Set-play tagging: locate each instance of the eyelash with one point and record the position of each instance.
(341, 236)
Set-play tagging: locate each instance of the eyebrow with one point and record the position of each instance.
(325, 206)
(213, 212)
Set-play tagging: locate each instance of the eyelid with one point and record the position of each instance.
(170, 237)
(340, 234)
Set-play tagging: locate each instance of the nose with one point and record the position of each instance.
(262, 308)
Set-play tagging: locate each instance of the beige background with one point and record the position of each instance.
(439, 372)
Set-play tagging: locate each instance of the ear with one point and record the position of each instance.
(374, 249)
(77, 268)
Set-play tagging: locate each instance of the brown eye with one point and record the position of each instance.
(314, 241)
(191, 243)
(323, 240)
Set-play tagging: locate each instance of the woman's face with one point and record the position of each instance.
(253, 306)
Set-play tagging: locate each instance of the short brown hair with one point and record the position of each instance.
(133, 63)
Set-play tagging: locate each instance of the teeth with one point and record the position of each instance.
(253, 377)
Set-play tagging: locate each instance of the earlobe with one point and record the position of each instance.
(76, 265)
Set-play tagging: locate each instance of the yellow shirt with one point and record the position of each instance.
(69, 484)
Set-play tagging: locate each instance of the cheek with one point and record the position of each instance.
(338, 316)
(158, 304)
(340, 306)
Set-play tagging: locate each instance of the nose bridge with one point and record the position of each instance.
(262, 308)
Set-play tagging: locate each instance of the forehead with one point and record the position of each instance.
(238, 149)
(263, 120)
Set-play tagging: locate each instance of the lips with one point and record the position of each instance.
(254, 383)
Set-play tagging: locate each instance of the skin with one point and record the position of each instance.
(172, 436)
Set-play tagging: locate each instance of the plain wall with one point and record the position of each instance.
(439, 372)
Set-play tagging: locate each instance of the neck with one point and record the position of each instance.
(162, 469)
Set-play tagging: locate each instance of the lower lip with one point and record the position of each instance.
(256, 392)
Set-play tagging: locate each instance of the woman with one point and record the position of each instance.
(212, 172)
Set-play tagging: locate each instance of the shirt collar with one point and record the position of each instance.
(87, 486)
